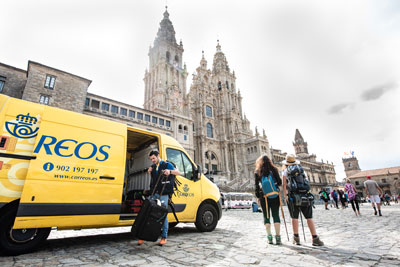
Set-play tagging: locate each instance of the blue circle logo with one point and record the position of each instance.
(48, 166)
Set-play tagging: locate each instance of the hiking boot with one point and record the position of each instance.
(326, 208)
(296, 240)
(317, 242)
(376, 213)
(380, 214)
(278, 240)
(140, 242)
(163, 241)
(270, 239)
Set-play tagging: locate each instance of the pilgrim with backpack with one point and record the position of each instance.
(296, 189)
(267, 182)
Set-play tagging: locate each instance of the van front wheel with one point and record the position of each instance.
(18, 241)
(207, 218)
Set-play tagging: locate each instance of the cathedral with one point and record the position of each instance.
(208, 119)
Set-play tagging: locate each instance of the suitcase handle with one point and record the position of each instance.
(107, 177)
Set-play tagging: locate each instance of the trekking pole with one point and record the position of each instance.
(283, 216)
(302, 226)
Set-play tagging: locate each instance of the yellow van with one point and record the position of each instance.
(65, 170)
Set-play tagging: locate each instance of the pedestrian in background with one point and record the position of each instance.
(266, 172)
(334, 196)
(292, 170)
(324, 197)
(373, 192)
(352, 194)
(342, 198)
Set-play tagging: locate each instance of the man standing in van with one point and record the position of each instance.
(167, 168)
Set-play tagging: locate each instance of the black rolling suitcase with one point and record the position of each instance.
(151, 217)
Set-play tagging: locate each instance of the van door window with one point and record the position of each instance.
(181, 161)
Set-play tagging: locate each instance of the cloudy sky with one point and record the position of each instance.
(329, 68)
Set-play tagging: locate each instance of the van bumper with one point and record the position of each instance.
(220, 208)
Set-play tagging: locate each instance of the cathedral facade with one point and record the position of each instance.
(208, 119)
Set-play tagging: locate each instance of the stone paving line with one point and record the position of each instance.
(239, 240)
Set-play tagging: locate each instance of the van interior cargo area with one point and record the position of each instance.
(137, 180)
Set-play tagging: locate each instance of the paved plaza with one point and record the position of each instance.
(239, 240)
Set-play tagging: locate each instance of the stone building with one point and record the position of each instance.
(387, 178)
(208, 121)
(320, 174)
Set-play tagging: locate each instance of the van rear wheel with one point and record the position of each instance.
(18, 241)
(207, 218)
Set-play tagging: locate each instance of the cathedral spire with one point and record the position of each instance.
(166, 31)
(300, 147)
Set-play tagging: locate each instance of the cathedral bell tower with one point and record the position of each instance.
(351, 166)
(165, 81)
(300, 146)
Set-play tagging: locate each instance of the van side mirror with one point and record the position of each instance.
(197, 173)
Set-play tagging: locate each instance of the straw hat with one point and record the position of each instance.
(290, 160)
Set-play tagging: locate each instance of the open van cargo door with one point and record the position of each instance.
(77, 176)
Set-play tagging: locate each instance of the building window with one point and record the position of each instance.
(357, 183)
(180, 130)
(131, 113)
(140, 116)
(193, 128)
(44, 99)
(154, 119)
(206, 154)
(105, 106)
(214, 168)
(161, 122)
(383, 180)
(114, 109)
(213, 156)
(168, 123)
(167, 55)
(123, 111)
(147, 117)
(185, 137)
(95, 104)
(208, 111)
(87, 101)
(219, 86)
(209, 130)
(2, 82)
(227, 85)
(168, 134)
(50, 81)
(207, 167)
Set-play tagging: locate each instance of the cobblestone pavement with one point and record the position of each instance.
(239, 240)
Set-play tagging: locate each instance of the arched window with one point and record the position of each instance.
(209, 130)
(219, 86)
(180, 127)
(227, 85)
(213, 156)
(206, 155)
(209, 111)
(176, 59)
(255, 149)
(215, 102)
(185, 128)
(248, 150)
(168, 56)
(251, 150)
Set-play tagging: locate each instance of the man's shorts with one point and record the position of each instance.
(295, 210)
(375, 199)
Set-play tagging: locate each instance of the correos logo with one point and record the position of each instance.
(69, 147)
(24, 127)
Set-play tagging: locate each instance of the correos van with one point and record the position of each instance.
(65, 170)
